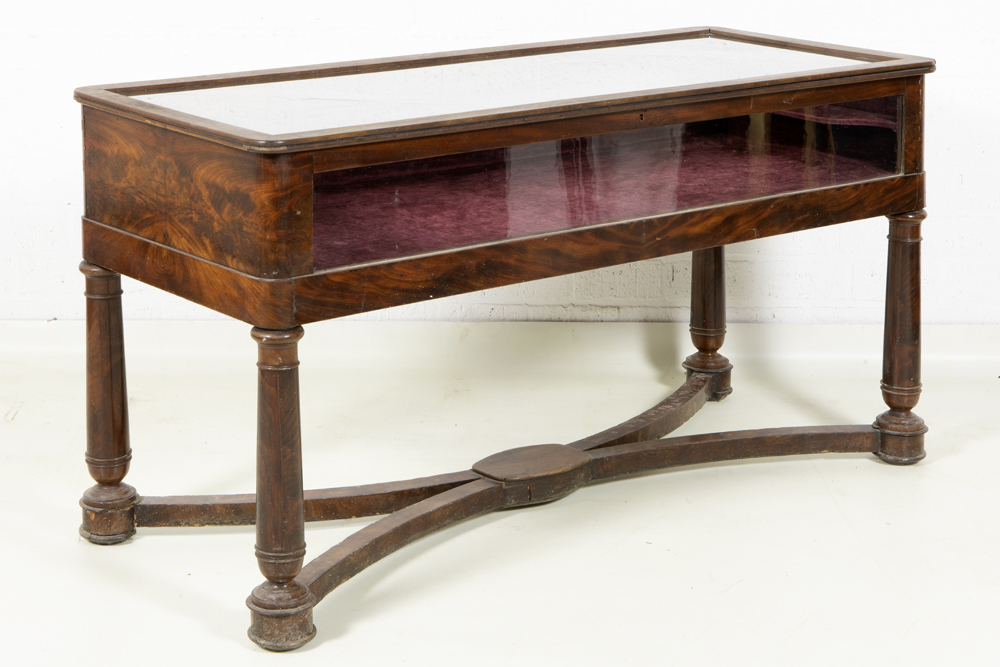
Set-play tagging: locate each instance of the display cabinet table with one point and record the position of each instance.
(290, 196)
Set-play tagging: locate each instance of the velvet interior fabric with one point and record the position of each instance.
(406, 208)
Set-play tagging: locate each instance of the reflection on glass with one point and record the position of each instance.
(405, 208)
(328, 103)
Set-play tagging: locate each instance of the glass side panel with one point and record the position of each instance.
(387, 97)
(405, 208)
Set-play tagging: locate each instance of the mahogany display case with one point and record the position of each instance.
(289, 196)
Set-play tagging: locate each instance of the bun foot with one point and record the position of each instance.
(108, 513)
(901, 437)
(281, 617)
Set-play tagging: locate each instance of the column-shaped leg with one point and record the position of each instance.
(902, 431)
(280, 608)
(708, 319)
(109, 505)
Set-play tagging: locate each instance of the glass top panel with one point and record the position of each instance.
(333, 103)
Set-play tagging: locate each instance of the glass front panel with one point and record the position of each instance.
(405, 208)
(392, 97)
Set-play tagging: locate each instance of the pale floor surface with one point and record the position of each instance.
(808, 560)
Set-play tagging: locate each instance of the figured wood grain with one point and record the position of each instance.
(913, 126)
(355, 290)
(263, 303)
(248, 212)
(270, 303)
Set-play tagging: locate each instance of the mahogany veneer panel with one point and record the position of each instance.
(913, 128)
(263, 303)
(356, 290)
(249, 212)
(285, 303)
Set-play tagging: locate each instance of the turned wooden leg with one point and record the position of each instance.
(708, 319)
(280, 608)
(109, 505)
(902, 432)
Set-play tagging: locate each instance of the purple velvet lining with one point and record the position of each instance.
(406, 208)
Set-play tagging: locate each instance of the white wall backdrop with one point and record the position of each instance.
(828, 276)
